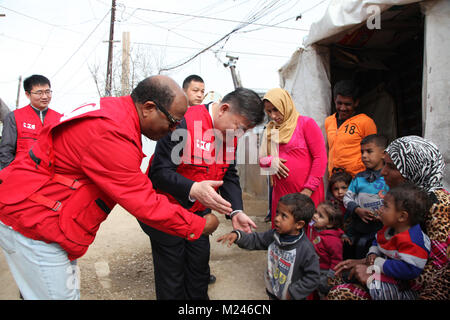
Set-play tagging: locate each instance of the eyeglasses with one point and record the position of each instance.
(173, 122)
(40, 93)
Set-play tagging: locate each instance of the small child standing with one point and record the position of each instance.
(293, 265)
(364, 196)
(338, 186)
(325, 234)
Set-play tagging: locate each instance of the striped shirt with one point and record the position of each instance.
(401, 256)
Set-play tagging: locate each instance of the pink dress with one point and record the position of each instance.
(307, 161)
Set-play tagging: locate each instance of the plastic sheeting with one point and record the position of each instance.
(436, 79)
(307, 77)
(341, 15)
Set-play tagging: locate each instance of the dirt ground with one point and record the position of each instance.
(118, 265)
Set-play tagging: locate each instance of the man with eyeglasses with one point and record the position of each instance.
(201, 150)
(54, 198)
(22, 126)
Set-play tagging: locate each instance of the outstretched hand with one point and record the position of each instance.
(241, 221)
(229, 237)
(205, 192)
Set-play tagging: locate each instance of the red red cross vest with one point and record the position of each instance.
(204, 158)
(29, 126)
(75, 206)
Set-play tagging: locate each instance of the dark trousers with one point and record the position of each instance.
(360, 247)
(181, 267)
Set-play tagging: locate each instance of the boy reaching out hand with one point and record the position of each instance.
(293, 266)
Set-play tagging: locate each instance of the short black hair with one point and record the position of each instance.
(35, 79)
(346, 88)
(378, 139)
(189, 79)
(247, 103)
(151, 89)
(302, 206)
(412, 199)
(334, 213)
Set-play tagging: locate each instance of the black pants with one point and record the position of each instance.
(181, 267)
(360, 247)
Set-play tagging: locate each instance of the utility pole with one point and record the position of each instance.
(125, 63)
(18, 92)
(110, 51)
(232, 64)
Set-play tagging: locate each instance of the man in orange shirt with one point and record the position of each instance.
(345, 129)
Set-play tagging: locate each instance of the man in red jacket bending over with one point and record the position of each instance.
(54, 197)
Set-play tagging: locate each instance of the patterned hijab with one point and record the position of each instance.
(418, 161)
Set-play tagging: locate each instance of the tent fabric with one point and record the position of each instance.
(307, 74)
(436, 88)
(306, 78)
(341, 15)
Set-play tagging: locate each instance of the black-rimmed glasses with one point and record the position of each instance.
(40, 93)
(173, 122)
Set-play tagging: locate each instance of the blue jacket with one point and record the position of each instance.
(364, 191)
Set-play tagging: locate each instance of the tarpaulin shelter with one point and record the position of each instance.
(397, 50)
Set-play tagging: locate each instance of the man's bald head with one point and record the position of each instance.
(160, 104)
(159, 89)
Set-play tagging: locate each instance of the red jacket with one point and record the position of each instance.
(328, 245)
(29, 126)
(77, 171)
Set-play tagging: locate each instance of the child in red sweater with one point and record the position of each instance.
(325, 234)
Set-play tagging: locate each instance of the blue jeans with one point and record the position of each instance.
(41, 270)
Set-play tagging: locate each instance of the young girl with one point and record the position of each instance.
(325, 234)
(338, 186)
(399, 252)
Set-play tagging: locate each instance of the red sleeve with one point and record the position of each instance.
(316, 145)
(112, 161)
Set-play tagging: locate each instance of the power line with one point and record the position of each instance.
(192, 48)
(199, 53)
(220, 19)
(296, 16)
(252, 18)
(82, 44)
(38, 20)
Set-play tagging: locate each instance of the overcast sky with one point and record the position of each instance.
(63, 39)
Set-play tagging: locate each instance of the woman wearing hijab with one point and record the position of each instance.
(294, 149)
(416, 160)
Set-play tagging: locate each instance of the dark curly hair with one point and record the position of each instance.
(338, 175)
(412, 199)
